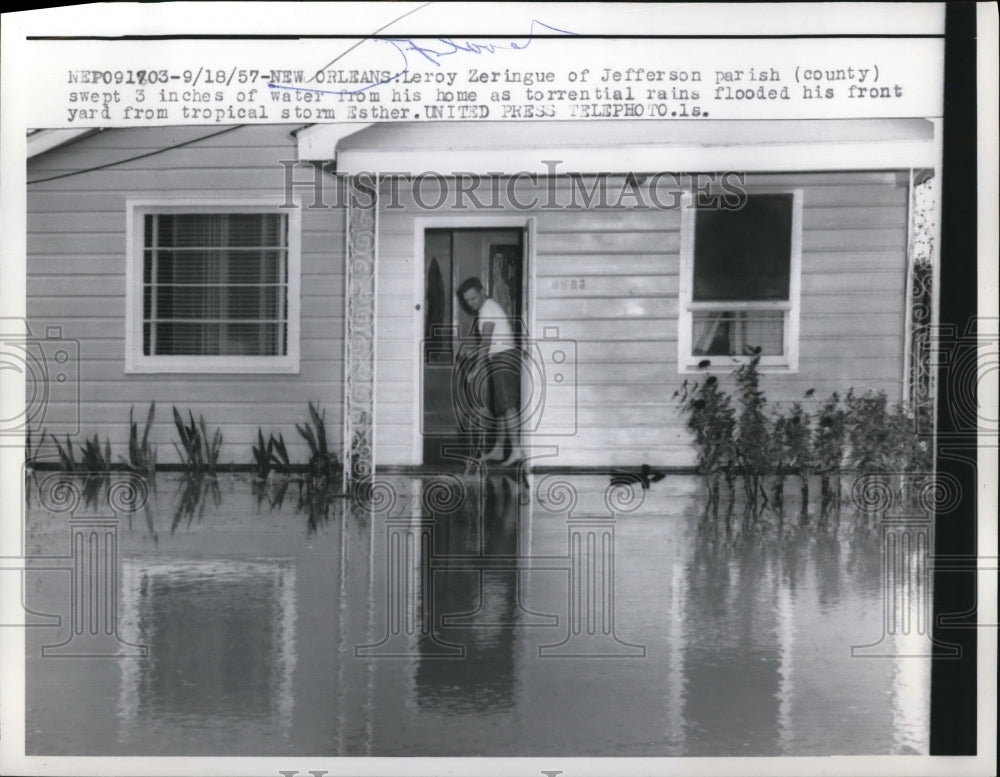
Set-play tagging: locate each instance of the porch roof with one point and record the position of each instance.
(608, 146)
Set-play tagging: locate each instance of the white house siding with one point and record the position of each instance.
(624, 322)
(77, 279)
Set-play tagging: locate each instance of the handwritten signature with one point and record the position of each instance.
(434, 54)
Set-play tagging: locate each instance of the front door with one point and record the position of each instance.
(496, 257)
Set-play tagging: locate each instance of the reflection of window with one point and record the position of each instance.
(222, 642)
(213, 290)
(739, 282)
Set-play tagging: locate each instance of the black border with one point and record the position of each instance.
(953, 679)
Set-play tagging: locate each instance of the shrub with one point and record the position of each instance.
(752, 441)
(791, 450)
(754, 438)
(712, 420)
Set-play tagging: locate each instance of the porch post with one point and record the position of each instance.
(921, 319)
(361, 273)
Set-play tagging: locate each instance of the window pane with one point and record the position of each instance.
(219, 339)
(738, 333)
(188, 266)
(252, 302)
(744, 254)
(220, 268)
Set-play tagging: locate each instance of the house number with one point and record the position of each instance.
(569, 284)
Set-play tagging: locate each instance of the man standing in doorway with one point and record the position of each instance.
(499, 356)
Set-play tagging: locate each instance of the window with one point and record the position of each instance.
(739, 289)
(214, 289)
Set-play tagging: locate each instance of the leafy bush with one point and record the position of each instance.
(712, 420)
(754, 438)
(829, 448)
(752, 441)
(791, 450)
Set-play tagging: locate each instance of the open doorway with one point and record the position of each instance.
(496, 257)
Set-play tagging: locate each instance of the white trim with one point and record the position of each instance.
(319, 141)
(776, 158)
(455, 222)
(46, 140)
(598, 146)
(789, 360)
(135, 360)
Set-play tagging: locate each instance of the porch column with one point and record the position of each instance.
(359, 329)
(921, 305)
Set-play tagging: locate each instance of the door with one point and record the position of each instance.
(496, 257)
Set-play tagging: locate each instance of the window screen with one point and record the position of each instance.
(215, 284)
(744, 254)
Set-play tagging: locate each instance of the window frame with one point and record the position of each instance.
(788, 361)
(136, 361)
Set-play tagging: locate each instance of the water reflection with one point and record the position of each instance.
(476, 606)
(285, 619)
(223, 637)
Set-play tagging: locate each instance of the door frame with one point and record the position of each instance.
(453, 222)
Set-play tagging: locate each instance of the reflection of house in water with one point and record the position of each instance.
(474, 607)
(731, 668)
(749, 643)
(222, 641)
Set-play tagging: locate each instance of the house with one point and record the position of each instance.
(245, 271)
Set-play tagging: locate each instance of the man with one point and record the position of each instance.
(501, 360)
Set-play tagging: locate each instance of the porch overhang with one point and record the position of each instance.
(548, 147)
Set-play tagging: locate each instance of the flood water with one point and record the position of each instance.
(457, 615)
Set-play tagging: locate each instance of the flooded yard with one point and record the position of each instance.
(455, 615)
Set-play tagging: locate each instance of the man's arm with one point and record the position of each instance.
(486, 330)
(486, 335)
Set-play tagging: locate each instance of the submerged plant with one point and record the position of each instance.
(859, 432)
(753, 442)
(262, 455)
(791, 446)
(323, 462)
(93, 458)
(192, 497)
(868, 431)
(279, 454)
(197, 451)
(67, 461)
(31, 452)
(141, 454)
(271, 455)
(711, 418)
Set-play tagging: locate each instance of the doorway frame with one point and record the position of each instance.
(528, 224)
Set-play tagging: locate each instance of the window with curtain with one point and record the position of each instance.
(741, 267)
(215, 284)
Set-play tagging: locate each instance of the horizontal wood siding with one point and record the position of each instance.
(76, 280)
(622, 311)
